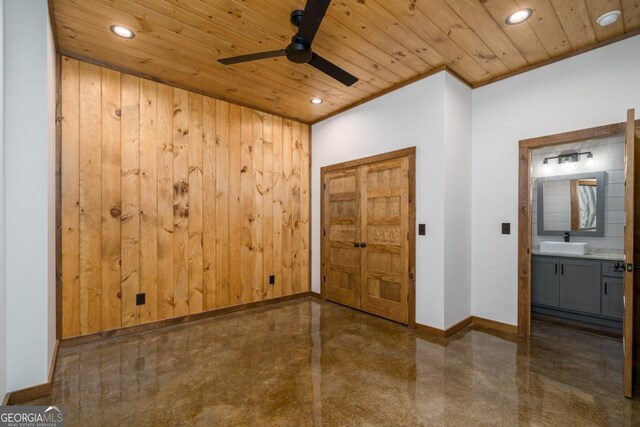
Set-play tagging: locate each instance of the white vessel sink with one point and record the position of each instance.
(574, 248)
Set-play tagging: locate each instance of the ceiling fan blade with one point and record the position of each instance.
(252, 57)
(332, 70)
(312, 16)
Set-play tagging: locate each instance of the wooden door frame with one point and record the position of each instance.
(524, 206)
(410, 153)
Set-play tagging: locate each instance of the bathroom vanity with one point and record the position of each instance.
(585, 288)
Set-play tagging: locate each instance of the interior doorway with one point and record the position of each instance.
(368, 234)
(628, 131)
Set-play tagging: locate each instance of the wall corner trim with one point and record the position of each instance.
(18, 397)
(495, 325)
(469, 321)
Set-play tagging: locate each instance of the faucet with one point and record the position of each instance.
(566, 236)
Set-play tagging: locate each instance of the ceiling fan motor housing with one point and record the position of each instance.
(296, 17)
(299, 51)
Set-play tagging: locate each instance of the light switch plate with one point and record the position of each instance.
(506, 228)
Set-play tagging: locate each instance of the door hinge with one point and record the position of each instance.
(324, 186)
(324, 232)
(324, 278)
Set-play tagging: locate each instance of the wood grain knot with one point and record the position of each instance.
(118, 112)
(243, 170)
(181, 187)
(115, 212)
(119, 295)
(180, 211)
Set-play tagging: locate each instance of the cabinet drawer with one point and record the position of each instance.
(609, 270)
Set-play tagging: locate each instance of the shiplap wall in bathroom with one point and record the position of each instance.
(557, 201)
(608, 155)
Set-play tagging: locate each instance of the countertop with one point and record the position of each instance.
(606, 256)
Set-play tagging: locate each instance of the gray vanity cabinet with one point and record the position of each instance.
(588, 290)
(545, 286)
(612, 289)
(580, 285)
(612, 297)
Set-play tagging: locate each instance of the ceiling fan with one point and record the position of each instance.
(299, 51)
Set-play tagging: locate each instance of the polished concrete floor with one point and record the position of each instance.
(308, 362)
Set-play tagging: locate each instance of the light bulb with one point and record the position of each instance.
(519, 16)
(121, 31)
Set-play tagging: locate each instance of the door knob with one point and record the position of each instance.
(363, 245)
(356, 244)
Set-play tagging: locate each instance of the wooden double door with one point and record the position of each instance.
(368, 234)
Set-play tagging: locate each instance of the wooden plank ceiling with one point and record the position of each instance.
(383, 43)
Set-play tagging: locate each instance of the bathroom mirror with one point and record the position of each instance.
(571, 203)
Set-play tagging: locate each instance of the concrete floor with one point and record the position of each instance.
(308, 362)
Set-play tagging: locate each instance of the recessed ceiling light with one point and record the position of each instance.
(316, 101)
(519, 16)
(608, 18)
(121, 31)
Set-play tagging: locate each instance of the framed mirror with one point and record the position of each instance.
(571, 203)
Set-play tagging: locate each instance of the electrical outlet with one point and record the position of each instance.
(422, 229)
(506, 228)
(272, 280)
(140, 299)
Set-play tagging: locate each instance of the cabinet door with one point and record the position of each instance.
(612, 301)
(341, 273)
(580, 285)
(545, 281)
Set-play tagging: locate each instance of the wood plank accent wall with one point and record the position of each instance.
(191, 200)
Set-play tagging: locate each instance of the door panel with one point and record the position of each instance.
(384, 227)
(341, 229)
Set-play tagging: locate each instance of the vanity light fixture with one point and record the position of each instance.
(519, 16)
(315, 101)
(608, 18)
(570, 157)
(121, 31)
(590, 161)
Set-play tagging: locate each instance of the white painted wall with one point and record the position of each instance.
(29, 183)
(412, 116)
(592, 89)
(51, 190)
(3, 344)
(457, 222)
